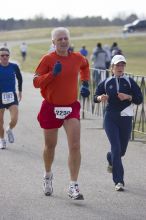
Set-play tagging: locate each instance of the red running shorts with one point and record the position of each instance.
(53, 116)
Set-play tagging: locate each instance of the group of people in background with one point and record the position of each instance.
(57, 78)
(101, 60)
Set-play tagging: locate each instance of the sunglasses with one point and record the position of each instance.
(4, 55)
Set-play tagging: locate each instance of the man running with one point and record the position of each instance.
(57, 78)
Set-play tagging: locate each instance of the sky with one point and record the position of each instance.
(110, 9)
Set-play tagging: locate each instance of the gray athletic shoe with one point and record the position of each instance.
(74, 192)
(47, 185)
(10, 135)
(119, 187)
(109, 168)
(2, 143)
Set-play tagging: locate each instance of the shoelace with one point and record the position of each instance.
(48, 179)
(75, 188)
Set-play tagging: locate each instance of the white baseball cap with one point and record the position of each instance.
(117, 59)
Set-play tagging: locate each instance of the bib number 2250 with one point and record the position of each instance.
(62, 112)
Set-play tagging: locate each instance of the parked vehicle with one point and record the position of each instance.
(137, 25)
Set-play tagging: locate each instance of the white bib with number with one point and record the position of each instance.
(7, 97)
(129, 111)
(62, 112)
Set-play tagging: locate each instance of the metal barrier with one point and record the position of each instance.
(97, 109)
(139, 119)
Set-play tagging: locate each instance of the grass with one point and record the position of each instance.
(140, 136)
(35, 52)
(132, 47)
(46, 32)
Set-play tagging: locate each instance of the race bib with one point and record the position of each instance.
(129, 111)
(62, 112)
(7, 97)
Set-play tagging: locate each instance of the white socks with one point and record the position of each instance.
(47, 174)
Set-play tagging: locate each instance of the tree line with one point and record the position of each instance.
(68, 21)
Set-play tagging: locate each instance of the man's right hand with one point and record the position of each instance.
(57, 68)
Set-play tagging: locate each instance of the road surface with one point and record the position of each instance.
(21, 173)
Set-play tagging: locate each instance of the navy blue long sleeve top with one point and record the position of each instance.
(8, 75)
(112, 86)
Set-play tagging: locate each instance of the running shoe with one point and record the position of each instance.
(109, 159)
(2, 143)
(74, 192)
(10, 135)
(47, 185)
(109, 168)
(119, 187)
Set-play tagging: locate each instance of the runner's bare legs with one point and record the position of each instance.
(49, 150)
(14, 116)
(72, 128)
(2, 123)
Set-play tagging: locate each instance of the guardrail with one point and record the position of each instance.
(97, 109)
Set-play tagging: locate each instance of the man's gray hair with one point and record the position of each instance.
(55, 31)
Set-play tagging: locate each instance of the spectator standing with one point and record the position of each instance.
(84, 51)
(71, 48)
(109, 55)
(115, 50)
(99, 59)
(23, 50)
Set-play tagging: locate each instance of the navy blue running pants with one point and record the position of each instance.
(118, 129)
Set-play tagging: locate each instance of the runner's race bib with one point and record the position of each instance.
(7, 97)
(129, 111)
(62, 112)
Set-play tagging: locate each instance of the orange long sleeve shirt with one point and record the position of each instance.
(63, 88)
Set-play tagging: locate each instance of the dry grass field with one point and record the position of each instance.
(38, 40)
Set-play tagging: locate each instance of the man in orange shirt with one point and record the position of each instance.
(57, 78)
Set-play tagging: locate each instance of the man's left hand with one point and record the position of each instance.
(84, 91)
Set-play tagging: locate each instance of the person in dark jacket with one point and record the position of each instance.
(99, 58)
(120, 92)
(115, 50)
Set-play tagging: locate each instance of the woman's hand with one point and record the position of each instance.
(123, 96)
(102, 98)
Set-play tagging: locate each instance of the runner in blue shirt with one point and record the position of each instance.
(9, 99)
